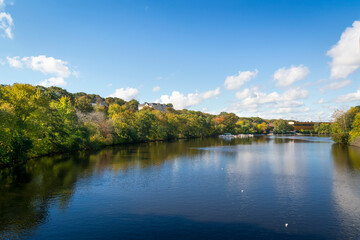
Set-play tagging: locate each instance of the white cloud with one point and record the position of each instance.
(126, 94)
(211, 93)
(6, 24)
(156, 89)
(257, 97)
(236, 81)
(15, 62)
(46, 65)
(321, 101)
(53, 81)
(345, 53)
(286, 77)
(181, 101)
(350, 97)
(335, 85)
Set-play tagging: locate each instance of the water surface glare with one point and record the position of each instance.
(188, 189)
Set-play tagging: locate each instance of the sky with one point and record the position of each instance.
(287, 59)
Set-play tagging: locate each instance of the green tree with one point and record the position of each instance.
(342, 125)
(322, 128)
(84, 104)
(281, 126)
(262, 127)
(123, 122)
(132, 105)
(355, 131)
(144, 123)
(18, 104)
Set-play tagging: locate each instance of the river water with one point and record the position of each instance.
(188, 189)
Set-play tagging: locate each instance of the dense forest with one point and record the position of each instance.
(37, 121)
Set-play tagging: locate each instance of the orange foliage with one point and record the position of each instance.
(219, 120)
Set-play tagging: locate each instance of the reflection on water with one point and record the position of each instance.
(27, 191)
(203, 188)
(346, 184)
(346, 158)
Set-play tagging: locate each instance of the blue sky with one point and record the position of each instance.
(273, 59)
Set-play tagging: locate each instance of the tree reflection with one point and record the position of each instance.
(27, 191)
(346, 157)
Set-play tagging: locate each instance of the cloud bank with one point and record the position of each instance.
(252, 99)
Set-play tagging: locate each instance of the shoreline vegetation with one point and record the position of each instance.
(346, 126)
(37, 121)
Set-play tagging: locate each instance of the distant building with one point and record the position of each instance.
(156, 106)
(100, 103)
(306, 126)
(300, 126)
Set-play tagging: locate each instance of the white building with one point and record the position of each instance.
(156, 106)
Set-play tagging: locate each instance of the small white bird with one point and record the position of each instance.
(286, 225)
(242, 190)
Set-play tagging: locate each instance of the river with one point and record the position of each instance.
(258, 188)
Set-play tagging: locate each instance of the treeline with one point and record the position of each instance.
(346, 126)
(37, 121)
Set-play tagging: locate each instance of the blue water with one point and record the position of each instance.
(195, 189)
